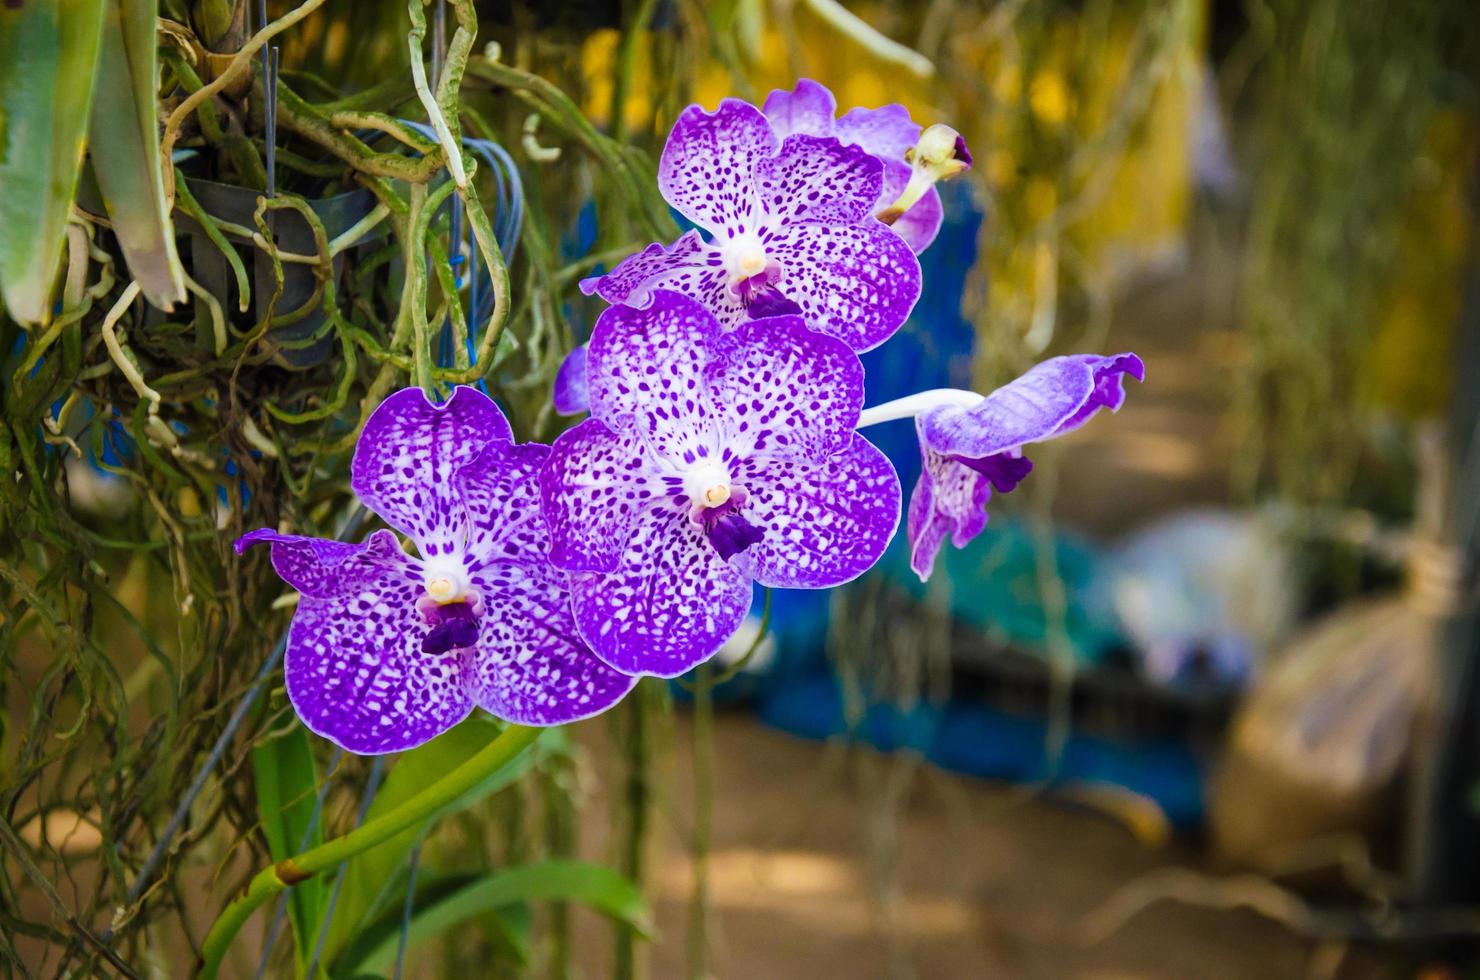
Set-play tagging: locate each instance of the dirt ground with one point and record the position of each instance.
(988, 883)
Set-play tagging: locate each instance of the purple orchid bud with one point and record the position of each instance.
(711, 460)
(887, 133)
(387, 650)
(971, 444)
(797, 213)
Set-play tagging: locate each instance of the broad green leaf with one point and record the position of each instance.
(449, 902)
(287, 791)
(123, 140)
(369, 875)
(48, 53)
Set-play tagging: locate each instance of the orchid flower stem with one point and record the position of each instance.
(512, 742)
(917, 404)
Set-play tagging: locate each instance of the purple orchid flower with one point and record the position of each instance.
(886, 133)
(972, 444)
(791, 226)
(711, 459)
(387, 650)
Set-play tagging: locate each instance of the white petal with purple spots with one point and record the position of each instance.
(817, 180)
(356, 673)
(531, 666)
(823, 523)
(320, 568)
(670, 603)
(592, 488)
(708, 166)
(645, 371)
(854, 282)
(789, 393)
(410, 451)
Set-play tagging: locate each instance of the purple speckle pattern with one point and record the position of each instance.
(372, 663)
(570, 394)
(356, 673)
(406, 458)
(857, 283)
(823, 523)
(802, 206)
(791, 394)
(884, 133)
(670, 602)
(770, 410)
(969, 452)
(320, 568)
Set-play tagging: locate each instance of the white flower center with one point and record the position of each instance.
(445, 581)
(707, 485)
(745, 257)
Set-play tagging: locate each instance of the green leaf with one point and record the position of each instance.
(368, 876)
(444, 903)
(123, 140)
(287, 790)
(48, 54)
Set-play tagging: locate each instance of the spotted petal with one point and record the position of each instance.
(356, 673)
(951, 498)
(670, 603)
(320, 568)
(411, 449)
(856, 282)
(887, 132)
(570, 394)
(593, 485)
(531, 666)
(708, 166)
(645, 372)
(1050, 399)
(809, 109)
(818, 180)
(789, 393)
(823, 523)
(500, 492)
(688, 266)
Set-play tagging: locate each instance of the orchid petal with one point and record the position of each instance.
(887, 132)
(824, 523)
(356, 673)
(645, 372)
(322, 568)
(571, 395)
(708, 166)
(921, 223)
(817, 180)
(593, 485)
(531, 666)
(808, 109)
(670, 603)
(790, 393)
(688, 265)
(856, 282)
(411, 449)
(500, 493)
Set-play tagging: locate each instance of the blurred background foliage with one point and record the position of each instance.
(1319, 156)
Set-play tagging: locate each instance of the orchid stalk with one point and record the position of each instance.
(269, 882)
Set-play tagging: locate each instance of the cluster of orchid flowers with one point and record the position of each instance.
(722, 448)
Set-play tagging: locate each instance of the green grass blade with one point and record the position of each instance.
(287, 790)
(443, 904)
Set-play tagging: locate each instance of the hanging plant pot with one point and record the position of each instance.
(296, 314)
